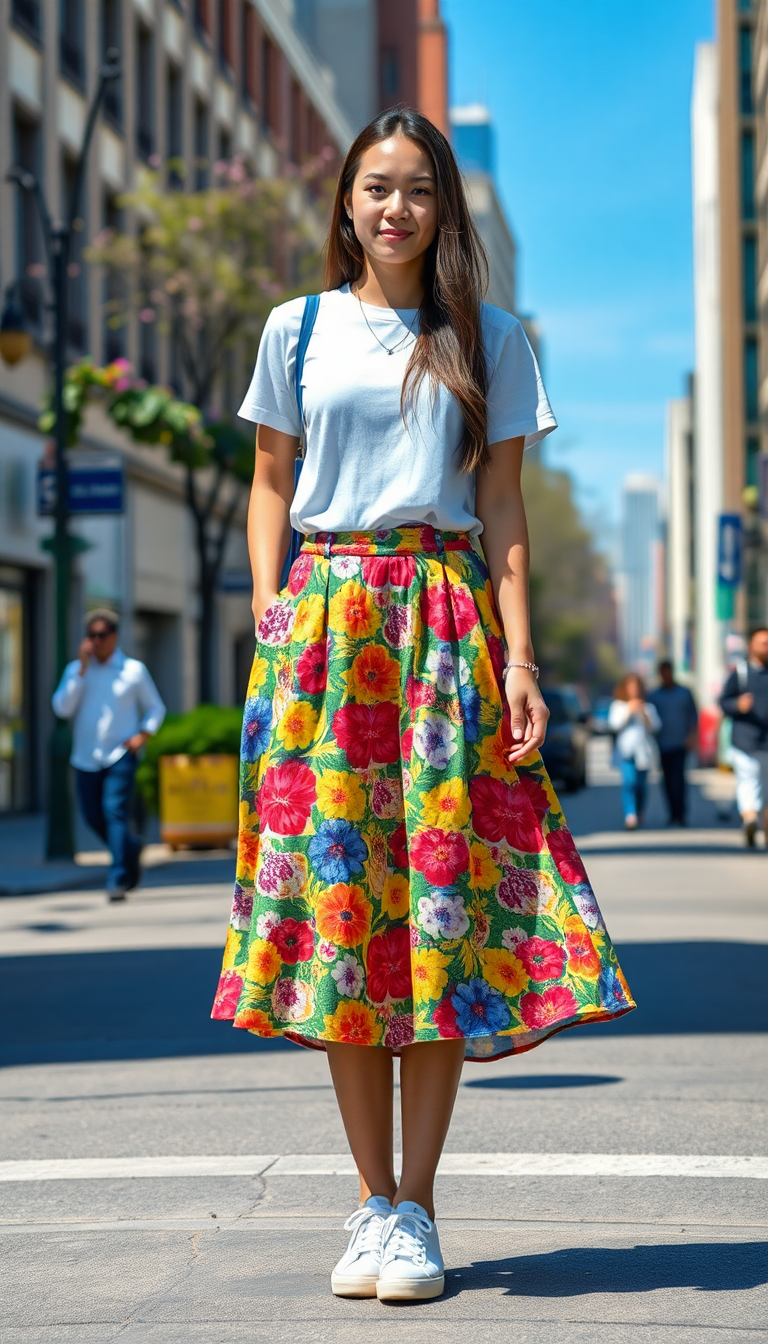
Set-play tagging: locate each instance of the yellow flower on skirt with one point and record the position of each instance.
(355, 1023)
(483, 872)
(492, 760)
(373, 676)
(340, 794)
(353, 612)
(447, 806)
(310, 614)
(298, 725)
(258, 676)
(263, 962)
(396, 895)
(429, 974)
(504, 971)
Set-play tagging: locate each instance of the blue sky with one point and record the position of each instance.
(590, 100)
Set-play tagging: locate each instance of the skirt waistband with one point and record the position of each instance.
(386, 541)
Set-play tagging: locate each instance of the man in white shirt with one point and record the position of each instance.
(116, 707)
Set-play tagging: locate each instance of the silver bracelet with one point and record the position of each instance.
(530, 667)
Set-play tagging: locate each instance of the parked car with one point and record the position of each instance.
(600, 715)
(565, 747)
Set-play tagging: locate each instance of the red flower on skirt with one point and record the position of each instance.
(227, 995)
(300, 572)
(369, 734)
(536, 794)
(286, 797)
(542, 959)
(449, 610)
(406, 745)
(496, 650)
(444, 1018)
(567, 858)
(440, 855)
(502, 811)
(294, 940)
(420, 692)
(388, 966)
(312, 668)
(398, 845)
(398, 571)
(543, 1010)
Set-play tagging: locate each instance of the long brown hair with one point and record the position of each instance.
(449, 348)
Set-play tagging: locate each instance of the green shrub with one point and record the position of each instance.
(208, 730)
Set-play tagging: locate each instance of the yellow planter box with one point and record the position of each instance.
(198, 799)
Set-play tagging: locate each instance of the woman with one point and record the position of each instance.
(634, 721)
(406, 884)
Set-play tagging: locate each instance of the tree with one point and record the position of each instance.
(572, 608)
(207, 268)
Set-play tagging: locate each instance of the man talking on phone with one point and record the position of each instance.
(115, 706)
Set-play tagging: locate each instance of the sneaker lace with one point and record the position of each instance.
(404, 1235)
(365, 1224)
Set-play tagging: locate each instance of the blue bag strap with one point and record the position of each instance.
(311, 305)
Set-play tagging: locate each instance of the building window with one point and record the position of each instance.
(112, 37)
(77, 322)
(752, 464)
(145, 90)
(203, 19)
(226, 36)
(147, 324)
(29, 243)
(747, 175)
(751, 380)
(25, 14)
(248, 67)
(267, 84)
(390, 72)
(745, 72)
(201, 146)
(749, 278)
(174, 127)
(72, 41)
(113, 334)
(225, 145)
(745, 6)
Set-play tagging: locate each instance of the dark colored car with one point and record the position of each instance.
(565, 747)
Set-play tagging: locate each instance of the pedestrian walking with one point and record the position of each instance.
(634, 721)
(745, 701)
(406, 883)
(679, 721)
(116, 707)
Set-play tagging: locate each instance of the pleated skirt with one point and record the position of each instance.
(397, 880)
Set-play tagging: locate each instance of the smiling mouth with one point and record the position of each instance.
(394, 233)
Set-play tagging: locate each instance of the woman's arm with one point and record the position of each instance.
(500, 508)
(269, 526)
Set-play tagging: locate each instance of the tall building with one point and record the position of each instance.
(679, 540)
(473, 140)
(640, 573)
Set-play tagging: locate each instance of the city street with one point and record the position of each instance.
(180, 1181)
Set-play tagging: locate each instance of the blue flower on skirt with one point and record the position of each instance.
(610, 989)
(480, 1010)
(469, 698)
(337, 850)
(257, 721)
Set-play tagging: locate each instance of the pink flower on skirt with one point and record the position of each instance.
(553, 1005)
(502, 811)
(227, 995)
(563, 849)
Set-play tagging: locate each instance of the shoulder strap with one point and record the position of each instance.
(742, 674)
(311, 305)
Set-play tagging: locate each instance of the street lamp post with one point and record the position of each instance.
(57, 239)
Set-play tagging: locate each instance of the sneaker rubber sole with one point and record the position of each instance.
(409, 1290)
(353, 1286)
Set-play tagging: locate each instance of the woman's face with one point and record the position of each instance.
(393, 201)
(633, 689)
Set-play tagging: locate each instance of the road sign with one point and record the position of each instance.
(730, 543)
(90, 489)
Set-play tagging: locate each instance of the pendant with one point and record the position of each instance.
(390, 352)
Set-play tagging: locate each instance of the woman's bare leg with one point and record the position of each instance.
(362, 1079)
(429, 1080)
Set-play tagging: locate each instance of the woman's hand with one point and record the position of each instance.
(528, 713)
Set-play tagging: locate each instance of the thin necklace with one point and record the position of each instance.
(390, 350)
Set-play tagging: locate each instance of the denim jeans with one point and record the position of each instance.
(105, 802)
(633, 788)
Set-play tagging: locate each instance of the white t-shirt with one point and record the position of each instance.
(365, 466)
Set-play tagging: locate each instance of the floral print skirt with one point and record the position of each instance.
(397, 880)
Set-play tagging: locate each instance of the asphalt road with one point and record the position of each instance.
(592, 1229)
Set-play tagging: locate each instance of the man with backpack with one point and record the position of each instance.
(745, 701)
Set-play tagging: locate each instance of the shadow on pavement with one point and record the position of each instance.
(156, 1003)
(534, 1082)
(713, 1267)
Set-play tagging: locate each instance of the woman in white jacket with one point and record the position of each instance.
(634, 722)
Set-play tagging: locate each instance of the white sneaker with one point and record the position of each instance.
(357, 1272)
(411, 1261)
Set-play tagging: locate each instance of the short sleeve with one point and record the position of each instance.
(271, 397)
(517, 401)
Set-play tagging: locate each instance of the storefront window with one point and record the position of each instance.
(13, 708)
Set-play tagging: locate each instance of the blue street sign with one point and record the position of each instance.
(89, 490)
(730, 538)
